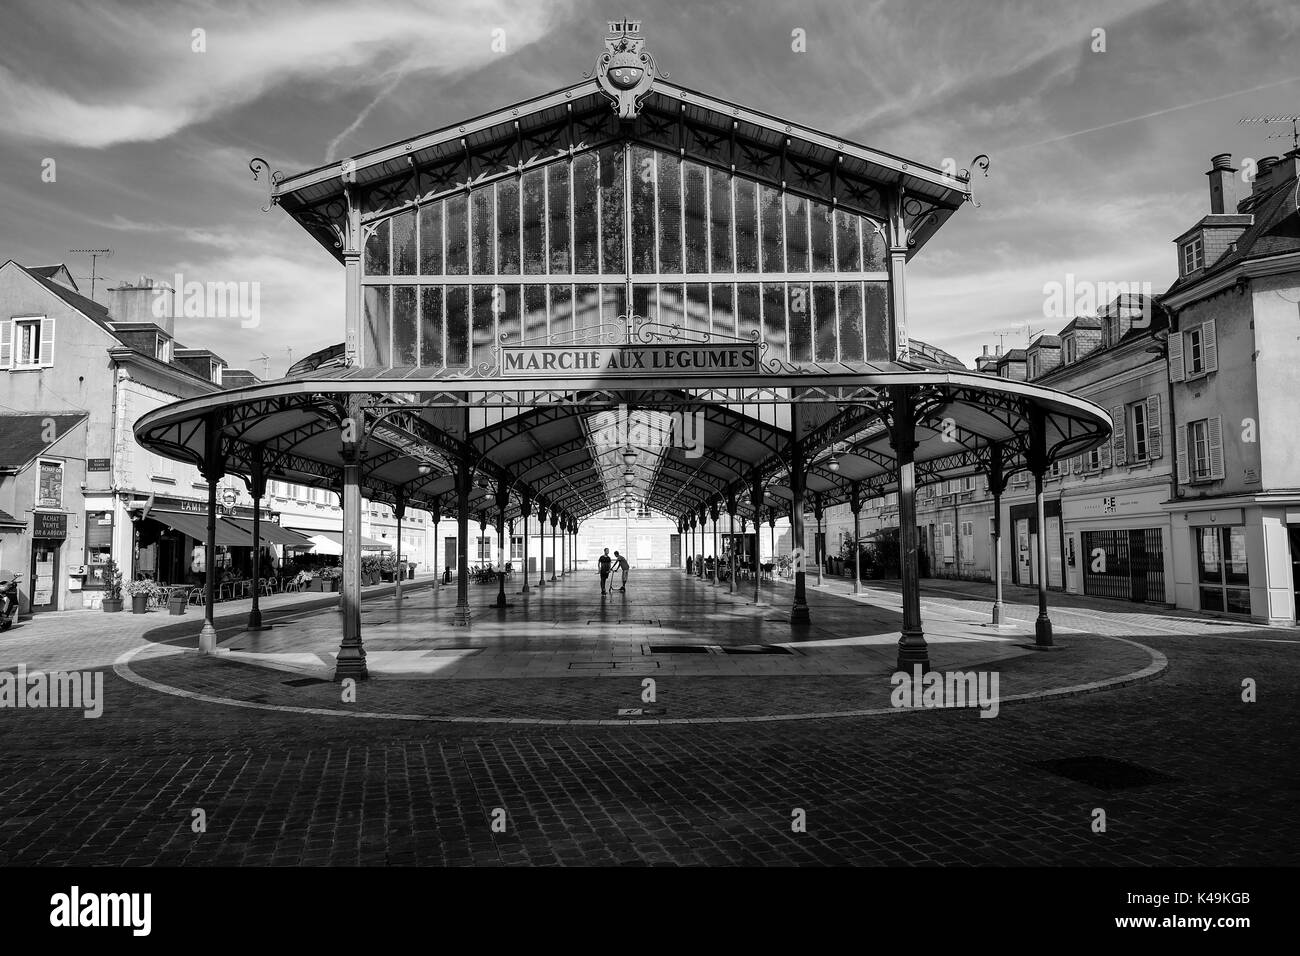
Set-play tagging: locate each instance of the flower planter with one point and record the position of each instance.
(112, 605)
(332, 585)
(139, 604)
(317, 584)
(176, 603)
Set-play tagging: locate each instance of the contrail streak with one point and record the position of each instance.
(1171, 109)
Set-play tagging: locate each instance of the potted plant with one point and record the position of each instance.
(112, 587)
(177, 601)
(388, 566)
(369, 569)
(330, 578)
(140, 592)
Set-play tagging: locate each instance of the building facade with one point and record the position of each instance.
(1234, 372)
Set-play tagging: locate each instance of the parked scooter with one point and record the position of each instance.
(8, 598)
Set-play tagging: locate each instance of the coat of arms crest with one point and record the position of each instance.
(625, 70)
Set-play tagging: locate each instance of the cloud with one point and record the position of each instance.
(130, 96)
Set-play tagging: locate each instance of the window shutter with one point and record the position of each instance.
(1214, 433)
(1209, 346)
(47, 342)
(1180, 451)
(1177, 371)
(1153, 427)
(6, 343)
(1104, 456)
(1079, 467)
(1119, 438)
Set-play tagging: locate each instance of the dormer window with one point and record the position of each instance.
(1193, 254)
(1070, 350)
(162, 348)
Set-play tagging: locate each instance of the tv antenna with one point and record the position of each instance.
(95, 255)
(266, 364)
(1279, 118)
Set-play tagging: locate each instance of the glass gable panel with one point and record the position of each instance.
(799, 307)
(559, 205)
(484, 231)
(772, 224)
(570, 216)
(457, 324)
(404, 250)
(613, 303)
(561, 313)
(823, 237)
(431, 239)
(508, 320)
(377, 251)
(377, 328)
(724, 319)
(611, 210)
(406, 326)
(534, 218)
(874, 249)
(774, 331)
(875, 311)
(848, 242)
(696, 198)
(669, 176)
(851, 346)
(487, 300)
(643, 210)
(746, 225)
(431, 347)
(534, 313)
(508, 235)
(456, 227)
(586, 205)
(748, 310)
(825, 330)
(720, 221)
(796, 234)
(586, 308)
(697, 307)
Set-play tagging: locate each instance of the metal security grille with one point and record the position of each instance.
(1124, 564)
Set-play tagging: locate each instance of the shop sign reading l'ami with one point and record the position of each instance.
(694, 359)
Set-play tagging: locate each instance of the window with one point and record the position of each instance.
(1195, 354)
(516, 547)
(484, 550)
(1137, 422)
(1109, 330)
(50, 492)
(1223, 574)
(1070, 349)
(1193, 253)
(1200, 451)
(550, 255)
(1094, 460)
(967, 542)
(27, 341)
(162, 348)
(1033, 365)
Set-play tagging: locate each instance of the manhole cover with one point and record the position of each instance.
(678, 649)
(305, 681)
(757, 649)
(1105, 773)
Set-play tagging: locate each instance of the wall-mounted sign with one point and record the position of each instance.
(47, 525)
(635, 360)
(97, 464)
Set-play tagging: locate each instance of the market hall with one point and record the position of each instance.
(516, 280)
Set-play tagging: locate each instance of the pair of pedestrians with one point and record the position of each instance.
(605, 565)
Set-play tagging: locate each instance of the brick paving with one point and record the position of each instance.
(938, 787)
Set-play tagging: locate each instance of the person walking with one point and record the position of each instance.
(603, 566)
(624, 567)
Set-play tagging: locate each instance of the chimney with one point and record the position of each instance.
(1223, 179)
(145, 301)
(986, 351)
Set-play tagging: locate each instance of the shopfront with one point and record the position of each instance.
(1118, 546)
(1024, 541)
(49, 532)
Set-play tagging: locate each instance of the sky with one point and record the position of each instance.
(1097, 156)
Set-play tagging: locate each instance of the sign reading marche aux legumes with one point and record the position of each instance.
(687, 359)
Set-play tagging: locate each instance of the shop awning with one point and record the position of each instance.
(331, 542)
(272, 533)
(196, 526)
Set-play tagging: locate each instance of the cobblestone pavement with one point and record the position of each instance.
(1205, 778)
